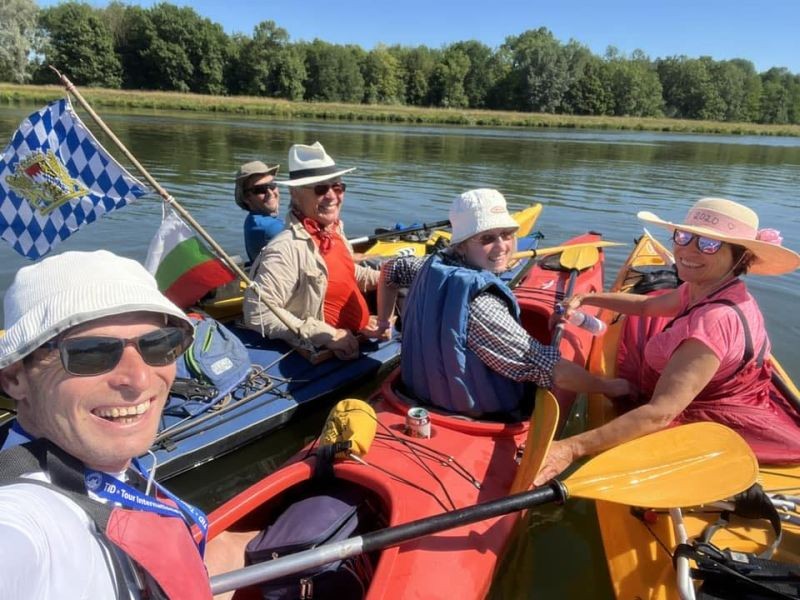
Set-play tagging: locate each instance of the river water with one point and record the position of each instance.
(594, 180)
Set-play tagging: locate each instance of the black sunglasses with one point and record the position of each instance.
(262, 188)
(95, 355)
(322, 188)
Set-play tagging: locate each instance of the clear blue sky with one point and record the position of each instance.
(766, 32)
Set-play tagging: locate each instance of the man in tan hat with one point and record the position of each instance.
(307, 273)
(89, 356)
(461, 320)
(257, 193)
(710, 358)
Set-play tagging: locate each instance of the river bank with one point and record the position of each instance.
(11, 94)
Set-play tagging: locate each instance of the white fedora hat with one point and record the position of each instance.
(311, 164)
(476, 211)
(65, 290)
(734, 223)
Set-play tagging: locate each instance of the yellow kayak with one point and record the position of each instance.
(639, 544)
(228, 305)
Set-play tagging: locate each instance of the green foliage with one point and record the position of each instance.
(17, 38)
(447, 83)
(333, 73)
(171, 48)
(79, 43)
(541, 70)
(383, 82)
(635, 88)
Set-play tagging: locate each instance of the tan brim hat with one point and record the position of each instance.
(254, 167)
(770, 258)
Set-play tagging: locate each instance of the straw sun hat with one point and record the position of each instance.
(734, 223)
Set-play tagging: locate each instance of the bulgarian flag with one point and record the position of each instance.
(183, 267)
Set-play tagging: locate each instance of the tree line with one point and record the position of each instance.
(171, 48)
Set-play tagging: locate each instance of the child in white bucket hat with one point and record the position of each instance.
(89, 357)
(711, 359)
(464, 349)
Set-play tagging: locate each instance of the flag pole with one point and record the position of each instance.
(172, 202)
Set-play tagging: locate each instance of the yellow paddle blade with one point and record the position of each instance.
(527, 218)
(350, 420)
(540, 433)
(579, 257)
(679, 466)
(539, 252)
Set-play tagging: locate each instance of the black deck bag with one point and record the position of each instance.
(309, 523)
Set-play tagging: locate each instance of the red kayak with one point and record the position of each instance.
(538, 294)
(401, 479)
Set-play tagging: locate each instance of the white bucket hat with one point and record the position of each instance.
(731, 222)
(254, 167)
(311, 164)
(476, 211)
(65, 290)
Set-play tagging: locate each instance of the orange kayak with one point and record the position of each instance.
(639, 544)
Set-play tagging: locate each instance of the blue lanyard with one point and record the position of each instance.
(113, 490)
(118, 492)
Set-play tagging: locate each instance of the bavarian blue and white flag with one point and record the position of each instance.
(55, 177)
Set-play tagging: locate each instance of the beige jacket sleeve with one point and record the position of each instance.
(290, 280)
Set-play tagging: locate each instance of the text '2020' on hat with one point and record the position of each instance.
(311, 164)
(476, 211)
(65, 290)
(734, 223)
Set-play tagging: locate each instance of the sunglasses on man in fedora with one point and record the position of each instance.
(95, 354)
(321, 189)
(704, 244)
(262, 188)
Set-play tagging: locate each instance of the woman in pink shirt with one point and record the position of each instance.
(711, 360)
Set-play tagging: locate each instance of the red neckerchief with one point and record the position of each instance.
(324, 238)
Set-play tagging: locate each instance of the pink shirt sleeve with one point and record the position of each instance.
(717, 326)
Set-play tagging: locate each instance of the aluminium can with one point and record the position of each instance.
(418, 423)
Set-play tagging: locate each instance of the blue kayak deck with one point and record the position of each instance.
(280, 381)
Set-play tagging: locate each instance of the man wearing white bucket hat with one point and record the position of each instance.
(710, 360)
(89, 356)
(307, 273)
(486, 354)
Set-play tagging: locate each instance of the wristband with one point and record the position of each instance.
(384, 324)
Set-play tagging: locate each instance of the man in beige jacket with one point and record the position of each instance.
(306, 274)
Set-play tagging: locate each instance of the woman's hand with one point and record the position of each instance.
(562, 454)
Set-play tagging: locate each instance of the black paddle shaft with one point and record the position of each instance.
(399, 232)
(385, 538)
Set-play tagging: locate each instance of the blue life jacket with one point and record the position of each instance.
(436, 365)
